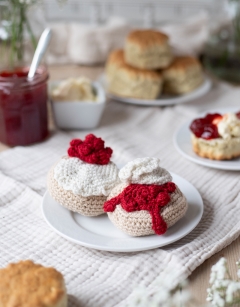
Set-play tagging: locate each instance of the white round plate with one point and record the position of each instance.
(99, 233)
(163, 100)
(182, 142)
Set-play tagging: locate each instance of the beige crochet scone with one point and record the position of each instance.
(26, 284)
(88, 206)
(139, 223)
(147, 49)
(216, 149)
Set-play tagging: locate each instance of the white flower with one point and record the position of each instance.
(231, 290)
(238, 273)
(223, 289)
(218, 271)
(138, 298)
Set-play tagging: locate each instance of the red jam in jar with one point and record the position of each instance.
(23, 106)
(206, 127)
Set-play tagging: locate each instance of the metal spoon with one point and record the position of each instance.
(39, 52)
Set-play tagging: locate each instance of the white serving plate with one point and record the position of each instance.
(99, 233)
(182, 142)
(163, 100)
(79, 114)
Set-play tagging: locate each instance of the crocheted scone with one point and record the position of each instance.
(146, 201)
(216, 136)
(26, 284)
(82, 181)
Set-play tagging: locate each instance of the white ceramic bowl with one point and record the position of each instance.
(80, 114)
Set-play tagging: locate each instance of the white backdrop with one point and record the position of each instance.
(85, 31)
(137, 12)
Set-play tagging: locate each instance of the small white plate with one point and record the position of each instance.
(182, 142)
(99, 233)
(163, 100)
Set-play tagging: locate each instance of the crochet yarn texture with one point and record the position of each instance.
(85, 179)
(139, 223)
(82, 181)
(91, 150)
(136, 197)
(144, 171)
(146, 201)
(88, 206)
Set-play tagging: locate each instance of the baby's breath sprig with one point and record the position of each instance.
(17, 24)
(224, 291)
(162, 293)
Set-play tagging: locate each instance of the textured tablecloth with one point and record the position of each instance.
(96, 278)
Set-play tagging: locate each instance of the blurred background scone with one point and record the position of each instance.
(182, 76)
(26, 284)
(127, 81)
(148, 49)
(216, 136)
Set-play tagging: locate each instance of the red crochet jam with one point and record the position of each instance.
(91, 150)
(136, 197)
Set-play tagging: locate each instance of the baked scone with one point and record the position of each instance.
(126, 81)
(182, 76)
(82, 180)
(216, 136)
(147, 49)
(146, 201)
(26, 284)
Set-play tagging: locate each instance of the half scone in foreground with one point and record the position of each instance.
(182, 76)
(216, 136)
(83, 180)
(146, 201)
(26, 284)
(124, 80)
(147, 49)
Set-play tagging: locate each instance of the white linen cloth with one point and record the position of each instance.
(104, 279)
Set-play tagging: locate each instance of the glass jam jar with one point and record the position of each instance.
(23, 106)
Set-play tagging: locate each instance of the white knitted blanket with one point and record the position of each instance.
(96, 278)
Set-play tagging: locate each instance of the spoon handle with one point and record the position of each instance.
(40, 50)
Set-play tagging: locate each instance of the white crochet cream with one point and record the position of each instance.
(85, 179)
(82, 181)
(144, 171)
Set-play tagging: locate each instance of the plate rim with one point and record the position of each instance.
(199, 160)
(204, 88)
(120, 249)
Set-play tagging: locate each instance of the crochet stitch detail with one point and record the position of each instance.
(91, 150)
(136, 197)
(144, 171)
(139, 223)
(88, 206)
(85, 179)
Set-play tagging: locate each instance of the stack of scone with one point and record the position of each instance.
(146, 67)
